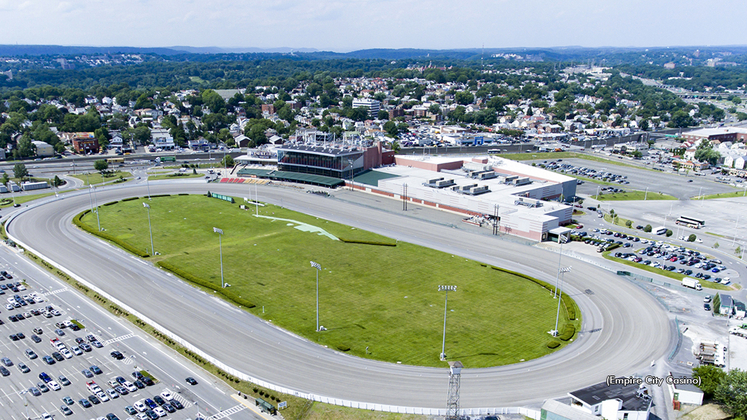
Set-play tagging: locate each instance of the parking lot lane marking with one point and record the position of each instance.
(54, 292)
(185, 402)
(227, 412)
(116, 339)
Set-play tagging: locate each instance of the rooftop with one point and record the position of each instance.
(600, 392)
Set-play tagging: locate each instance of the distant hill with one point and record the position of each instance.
(18, 50)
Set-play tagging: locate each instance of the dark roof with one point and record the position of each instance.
(325, 181)
(595, 394)
(317, 150)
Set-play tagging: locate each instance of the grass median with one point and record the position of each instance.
(95, 178)
(378, 298)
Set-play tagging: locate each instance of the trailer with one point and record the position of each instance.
(28, 186)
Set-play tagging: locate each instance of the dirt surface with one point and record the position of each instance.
(706, 412)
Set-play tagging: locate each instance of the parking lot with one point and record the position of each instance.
(56, 361)
(657, 254)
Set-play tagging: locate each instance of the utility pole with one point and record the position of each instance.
(446, 289)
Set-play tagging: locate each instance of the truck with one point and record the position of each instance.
(692, 283)
(93, 387)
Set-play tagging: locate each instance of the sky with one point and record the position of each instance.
(348, 25)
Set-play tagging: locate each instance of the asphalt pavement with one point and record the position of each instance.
(624, 328)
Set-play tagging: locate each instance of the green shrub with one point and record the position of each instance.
(568, 332)
(553, 344)
(109, 203)
(356, 241)
(130, 199)
(343, 347)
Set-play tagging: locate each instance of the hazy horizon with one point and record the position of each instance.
(344, 26)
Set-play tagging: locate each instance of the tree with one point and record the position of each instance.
(5, 179)
(647, 229)
(383, 115)
(141, 134)
(628, 223)
(710, 378)
(20, 171)
(732, 392)
(227, 161)
(692, 238)
(464, 97)
(56, 181)
(101, 165)
(391, 128)
(669, 233)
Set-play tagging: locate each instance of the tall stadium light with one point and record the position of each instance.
(560, 296)
(318, 269)
(147, 184)
(561, 239)
(220, 247)
(96, 203)
(447, 289)
(150, 228)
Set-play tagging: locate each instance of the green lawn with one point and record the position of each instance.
(732, 194)
(633, 195)
(175, 175)
(95, 178)
(7, 200)
(383, 298)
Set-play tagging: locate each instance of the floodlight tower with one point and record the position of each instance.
(452, 403)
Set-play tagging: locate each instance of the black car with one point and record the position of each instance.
(139, 384)
(168, 408)
(48, 360)
(57, 356)
(96, 370)
(707, 306)
(117, 355)
(159, 400)
(191, 381)
(35, 339)
(85, 403)
(93, 399)
(111, 416)
(176, 404)
(4, 371)
(151, 414)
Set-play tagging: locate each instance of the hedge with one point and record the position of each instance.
(130, 199)
(109, 203)
(227, 293)
(568, 303)
(553, 344)
(126, 246)
(568, 332)
(357, 241)
(160, 195)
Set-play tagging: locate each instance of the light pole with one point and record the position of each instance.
(645, 195)
(318, 269)
(147, 184)
(96, 202)
(560, 296)
(561, 239)
(150, 229)
(442, 288)
(597, 196)
(220, 247)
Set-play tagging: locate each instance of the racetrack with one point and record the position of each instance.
(624, 328)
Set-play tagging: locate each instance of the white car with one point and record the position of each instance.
(112, 393)
(130, 386)
(76, 350)
(65, 352)
(167, 395)
(103, 397)
(140, 406)
(142, 416)
(9, 306)
(160, 411)
(54, 386)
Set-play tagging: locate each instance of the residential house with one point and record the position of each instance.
(614, 401)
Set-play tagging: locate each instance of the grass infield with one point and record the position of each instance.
(376, 300)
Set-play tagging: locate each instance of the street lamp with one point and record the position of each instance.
(318, 269)
(561, 239)
(96, 202)
(147, 184)
(220, 247)
(442, 288)
(645, 195)
(150, 229)
(557, 315)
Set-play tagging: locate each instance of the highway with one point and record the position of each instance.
(624, 327)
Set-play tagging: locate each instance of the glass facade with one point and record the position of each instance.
(310, 162)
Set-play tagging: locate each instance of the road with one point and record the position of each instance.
(624, 328)
(141, 351)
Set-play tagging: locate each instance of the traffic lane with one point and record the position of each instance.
(170, 371)
(310, 376)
